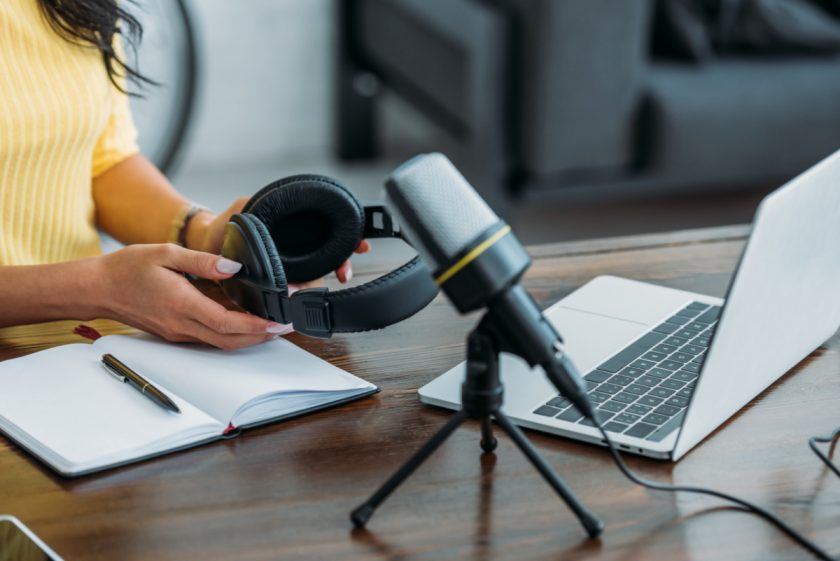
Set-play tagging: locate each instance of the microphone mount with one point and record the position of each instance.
(482, 395)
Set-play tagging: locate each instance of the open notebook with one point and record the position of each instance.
(63, 406)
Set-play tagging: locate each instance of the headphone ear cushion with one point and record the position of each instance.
(275, 266)
(314, 222)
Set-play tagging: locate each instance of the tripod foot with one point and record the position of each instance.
(592, 524)
(361, 515)
(489, 445)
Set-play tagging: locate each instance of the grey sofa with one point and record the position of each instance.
(541, 95)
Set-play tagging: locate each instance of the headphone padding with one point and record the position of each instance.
(274, 263)
(314, 222)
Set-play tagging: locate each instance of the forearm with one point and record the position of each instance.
(37, 293)
(135, 203)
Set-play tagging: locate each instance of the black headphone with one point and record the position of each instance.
(299, 229)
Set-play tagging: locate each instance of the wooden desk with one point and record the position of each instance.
(285, 491)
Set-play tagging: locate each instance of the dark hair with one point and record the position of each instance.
(96, 22)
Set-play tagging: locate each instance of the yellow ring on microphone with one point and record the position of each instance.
(470, 257)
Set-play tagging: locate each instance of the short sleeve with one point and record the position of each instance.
(118, 140)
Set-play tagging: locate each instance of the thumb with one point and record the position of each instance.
(200, 264)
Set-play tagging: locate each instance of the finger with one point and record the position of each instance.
(227, 342)
(199, 263)
(217, 318)
(363, 247)
(235, 208)
(344, 272)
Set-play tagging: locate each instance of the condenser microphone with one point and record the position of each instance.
(478, 263)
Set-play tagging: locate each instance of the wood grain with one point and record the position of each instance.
(285, 491)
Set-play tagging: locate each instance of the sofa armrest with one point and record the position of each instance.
(582, 65)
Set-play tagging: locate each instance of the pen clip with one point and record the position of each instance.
(113, 372)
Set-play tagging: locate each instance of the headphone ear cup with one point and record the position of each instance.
(274, 265)
(314, 222)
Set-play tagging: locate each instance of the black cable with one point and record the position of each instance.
(767, 515)
(812, 442)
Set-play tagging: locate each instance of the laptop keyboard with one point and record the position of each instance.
(644, 389)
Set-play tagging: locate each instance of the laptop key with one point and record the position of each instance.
(685, 393)
(667, 410)
(638, 409)
(598, 397)
(632, 352)
(679, 320)
(699, 358)
(692, 349)
(681, 357)
(547, 411)
(672, 384)
(659, 373)
(654, 356)
(613, 406)
(627, 418)
(676, 341)
(590, 385)
(687, 313)
(677, 401)
(687, 333)
(650, 400)
(667, 428)
(609, 388)
(664, 393)
(598, 376)
(709, 315)
(649, 381)
(571, 414)
(655, 419)
(697, 306)
(632, 372)
(640, 430)
(663, 348)
(684, 376)
(671, 365)
(603, 417)
(696, 326)
(644, 364)
(695, 368)
(637, 389)
(667, 328)
(620, 380)
(625, 397)
(612, 426)
(559, 402)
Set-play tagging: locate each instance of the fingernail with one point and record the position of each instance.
(227, 266)
(349, 275)
(279, 328)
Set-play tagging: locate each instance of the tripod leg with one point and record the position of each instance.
(362, 514)
(590, 522)
(488, 441)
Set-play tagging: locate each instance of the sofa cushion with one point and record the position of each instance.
(742, 118)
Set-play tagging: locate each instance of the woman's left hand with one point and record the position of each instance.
(207, 231)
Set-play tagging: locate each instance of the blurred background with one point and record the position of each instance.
(574, 118)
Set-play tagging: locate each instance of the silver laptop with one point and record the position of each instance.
(666, 367)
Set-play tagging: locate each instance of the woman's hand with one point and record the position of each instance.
(207, 231)
(143, 286)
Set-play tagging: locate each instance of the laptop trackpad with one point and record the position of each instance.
(592, 338)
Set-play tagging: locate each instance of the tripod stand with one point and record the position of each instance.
(481, 399)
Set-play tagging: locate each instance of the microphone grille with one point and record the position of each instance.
(439, 210)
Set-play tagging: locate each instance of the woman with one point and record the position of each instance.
(69, 163)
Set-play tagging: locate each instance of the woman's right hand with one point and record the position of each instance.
(144, 287)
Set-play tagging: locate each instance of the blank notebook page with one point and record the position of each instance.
(222, 382)
(63, 399)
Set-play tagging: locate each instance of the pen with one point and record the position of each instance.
(125, 374)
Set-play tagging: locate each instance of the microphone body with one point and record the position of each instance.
(478, 263)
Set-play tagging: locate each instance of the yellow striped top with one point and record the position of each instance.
(62, 123)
